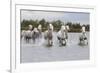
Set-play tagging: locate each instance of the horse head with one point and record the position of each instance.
(50, 27)
(67, 27)
(83, 29)
(30, 27)
(40, 27)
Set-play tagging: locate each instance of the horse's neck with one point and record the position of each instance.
(49, 32)
(40, 30)
(66, 30)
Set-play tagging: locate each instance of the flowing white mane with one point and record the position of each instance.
(40, 27)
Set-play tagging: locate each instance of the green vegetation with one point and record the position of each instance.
(74, 27)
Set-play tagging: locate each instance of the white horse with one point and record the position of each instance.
(27, 35)
(62, 35)
(40, 30)
(83, 38)
(35, 34)
(66, 31)
(32, 34)
(48, 35)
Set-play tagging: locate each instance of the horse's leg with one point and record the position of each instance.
(48, 42)
(29, 39)
(26, 39)
(51, 41)
(81, 41)
(58, 39)
(40, 35)
(33, 39)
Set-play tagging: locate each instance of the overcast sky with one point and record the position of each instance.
(74, 17)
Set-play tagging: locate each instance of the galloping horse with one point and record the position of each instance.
(83, 39)
(40, 30)
(48, 35)
(26, 34)
(62, 35)
(35, 34)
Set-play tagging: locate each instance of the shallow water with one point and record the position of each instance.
(39, 52)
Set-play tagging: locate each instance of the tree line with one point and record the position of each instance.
(74, 27)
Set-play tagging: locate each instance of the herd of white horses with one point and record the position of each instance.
(62, 35)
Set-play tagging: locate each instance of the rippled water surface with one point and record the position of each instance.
(38, 52)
